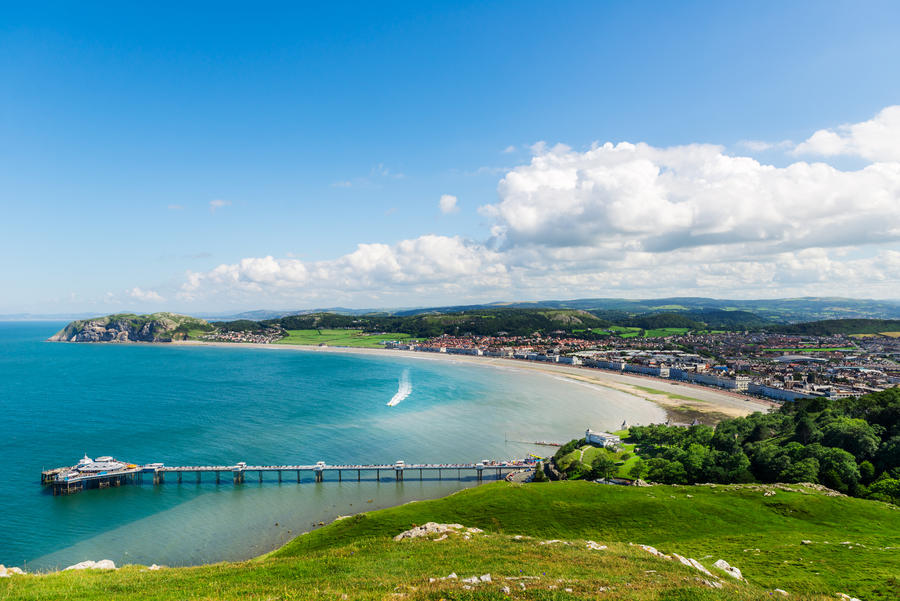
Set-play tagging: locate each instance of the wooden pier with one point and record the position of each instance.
(64, 481)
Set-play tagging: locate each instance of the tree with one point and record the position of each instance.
(806, 431)
(805, 470)
(539, 475)
(885, 489)
(853, 435)
(604, 466)
(637, 470)
(665, 471)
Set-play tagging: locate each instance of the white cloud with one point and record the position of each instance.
(448, 204)
(639, 197)
(150, 296)
(762, 146)
(217, 204)
(409, 267)
(343, 184)
(509, 149)
(877, 139)
(624, 219)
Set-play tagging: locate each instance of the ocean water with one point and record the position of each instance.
(207, 405)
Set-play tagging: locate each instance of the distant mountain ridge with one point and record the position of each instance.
(784, 310)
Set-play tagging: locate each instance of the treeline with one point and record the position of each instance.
(571, 322)
(832, 327)
(515, 322)
(850, 445)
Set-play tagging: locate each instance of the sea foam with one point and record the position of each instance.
(404, 389)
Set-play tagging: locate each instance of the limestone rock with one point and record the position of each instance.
(728, 569)
(103, 564)
(434, 528)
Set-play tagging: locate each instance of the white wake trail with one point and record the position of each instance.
(404, 389)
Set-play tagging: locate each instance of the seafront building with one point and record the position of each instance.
(773, 366)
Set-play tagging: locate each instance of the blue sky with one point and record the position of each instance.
(222, 157)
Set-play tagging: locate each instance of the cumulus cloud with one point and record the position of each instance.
(447, 204)
(877, 139)
(412, 266)
(217, 204)
(639, 197)
(150, 296)
(629, 219)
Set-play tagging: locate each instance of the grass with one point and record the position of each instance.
(670, 395)
(355, 338)
(588, 453)
(357, 557)
(663, 332)
(891, 334)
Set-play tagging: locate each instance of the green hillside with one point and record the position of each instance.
(802, 541)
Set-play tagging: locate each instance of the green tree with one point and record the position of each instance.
(853, 435)
(638, 469)
(539, 475)
(805, 470)
(604, 466)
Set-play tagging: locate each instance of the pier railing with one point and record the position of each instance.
(64, 481)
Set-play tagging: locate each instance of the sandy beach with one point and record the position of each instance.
(682, 401)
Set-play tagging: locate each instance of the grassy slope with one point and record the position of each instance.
(354, 338)
(357, 556)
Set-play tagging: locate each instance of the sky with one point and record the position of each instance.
(224, 157)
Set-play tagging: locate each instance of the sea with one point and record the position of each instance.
(195, 405)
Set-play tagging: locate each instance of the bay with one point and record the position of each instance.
(208, 405)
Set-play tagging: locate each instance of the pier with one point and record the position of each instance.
(105, 472)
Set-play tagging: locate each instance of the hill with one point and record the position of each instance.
(799, 539)
(830, 327)
(128, 327)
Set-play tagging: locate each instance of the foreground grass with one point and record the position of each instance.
(354, 338)
(357, 557)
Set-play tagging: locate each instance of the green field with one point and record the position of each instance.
(671, 395)
(355, 338)
(828, 349)
(587, 453)
(356, 558)
(662, 332)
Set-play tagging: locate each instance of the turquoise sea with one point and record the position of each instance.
(208, 405)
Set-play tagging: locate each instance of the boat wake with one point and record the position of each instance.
(404, 389)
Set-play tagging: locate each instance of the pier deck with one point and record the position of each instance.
(64, 481)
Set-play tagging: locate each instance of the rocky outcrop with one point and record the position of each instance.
(103, 564)
(157, 327)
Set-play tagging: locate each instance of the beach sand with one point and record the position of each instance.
(683, 402)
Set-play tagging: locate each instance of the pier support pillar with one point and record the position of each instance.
(260, 476)
(179, 477)
(420, 474)
(479, 473)
(439, 474)
(340, 475)
(279, 476)
(198, 477)
(218, 478)
(378, 475)
(399, 475)
(319, 475)
(238, 476)
(298, 476)
(358, 475)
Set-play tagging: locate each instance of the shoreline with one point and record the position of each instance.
(681, 401)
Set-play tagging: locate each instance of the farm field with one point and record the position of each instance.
(354, 338)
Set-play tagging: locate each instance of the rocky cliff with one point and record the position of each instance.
(127, 327)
